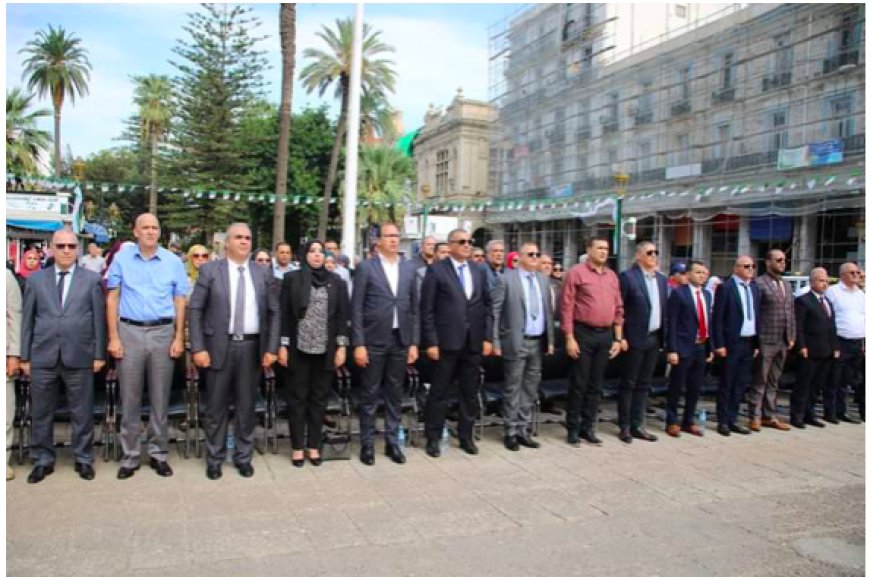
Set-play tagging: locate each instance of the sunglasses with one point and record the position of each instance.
(462, 241)
(779, 260)
(533, 254)
(853, 272)
(200, 255)
(750, 266)
(652, 252)
(66, 245)
(557, 268)
(262, 260)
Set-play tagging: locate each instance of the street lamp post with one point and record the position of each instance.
(621, 179)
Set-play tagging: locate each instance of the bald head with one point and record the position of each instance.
(64, 245)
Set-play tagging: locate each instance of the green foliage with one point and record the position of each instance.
(114, 166)
(384, 184)
(24, 141)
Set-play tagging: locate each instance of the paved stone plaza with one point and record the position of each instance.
(778, 504)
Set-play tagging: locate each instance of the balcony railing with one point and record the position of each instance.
(844, 58)
(774, 81)
(582, 133)
(643, 117)
(681, 107)
(723, 95)
(609, 125)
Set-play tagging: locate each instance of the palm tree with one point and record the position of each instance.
(287, 17)
(153, 96)
(57, 65)
(377, 118)
(24, 141)
(332, 67)
(384, 176)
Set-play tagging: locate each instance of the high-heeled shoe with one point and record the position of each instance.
(298, 462)
(316, 461)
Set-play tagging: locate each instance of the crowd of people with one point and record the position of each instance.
(143, 306)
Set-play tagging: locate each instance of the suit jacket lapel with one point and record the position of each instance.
(378, 266)
(72, 285)
(224, 279)
(639, 275)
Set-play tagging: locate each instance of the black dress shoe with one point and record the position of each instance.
(85, 471)
(798, 425)
(589, 437)
(527, 442)
(815, 423)
(213, 472)
(625, 436)
(298, 462)
(39, 473)
(367, 455)
(644, 436)
(831, 419)
(573, 438)
(740, 429)
(161, 467)
(127, 472)
(394, 452)
(316, 461)
(433, 449)
(511, 443)
(724, 430)
(468, 446)
(246, 470)
(847, 419)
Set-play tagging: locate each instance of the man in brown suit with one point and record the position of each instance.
(776, 335)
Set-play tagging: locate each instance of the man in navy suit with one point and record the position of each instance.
(644, 298)
(384, 334)
(456, 315)
(735, 339)
(688, 347)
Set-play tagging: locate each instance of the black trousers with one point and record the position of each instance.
(813, 377)
(236, 382)
(848, 373)
(307, 396)
(637, 370)
(735, 378)
(688, 376)
(383, 378)
(584, 390)
(463, 368)
(45, 388)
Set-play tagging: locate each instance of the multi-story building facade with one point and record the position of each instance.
(740, 131)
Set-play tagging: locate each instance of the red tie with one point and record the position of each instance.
(825, 304)
(702, 320)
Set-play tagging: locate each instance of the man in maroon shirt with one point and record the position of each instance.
(592, 322)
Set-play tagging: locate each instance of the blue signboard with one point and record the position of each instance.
(827, 152)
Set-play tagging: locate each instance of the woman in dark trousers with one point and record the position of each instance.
(314, 339)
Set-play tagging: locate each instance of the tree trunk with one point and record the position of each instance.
(288, 61)
(152, 199)
(340, 130)
(57, 167)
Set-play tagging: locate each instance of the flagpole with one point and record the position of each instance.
(348, 231)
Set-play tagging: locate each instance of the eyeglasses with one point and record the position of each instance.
(66, 245)
(200, 255)
(652, 252)
(782, 259)
(533, 254)
(748, 266)
(463, 241)
(853, 272)
(262, 260)
(557, 268)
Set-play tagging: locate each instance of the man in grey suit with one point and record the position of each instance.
(13, 354)
(523, 331)
(384, 333)
(235, 328)
(63, 338)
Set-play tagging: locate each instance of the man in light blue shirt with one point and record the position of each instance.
(145, 312)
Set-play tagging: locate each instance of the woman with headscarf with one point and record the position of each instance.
(262, 257)
(29, 264)
(314, 340)
(513, 259)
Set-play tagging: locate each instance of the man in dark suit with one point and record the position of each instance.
(456, 328)
(235, 328)
(688, 347)
(776, 336)
(735, 339)
(817, 346)
(644, 299)
(522, 333)
(384, 334)
(63, 338)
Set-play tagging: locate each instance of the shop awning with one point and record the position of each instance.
(40, 225)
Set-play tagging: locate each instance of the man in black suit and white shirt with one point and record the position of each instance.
(384, 333)
(235, 327)
(818, 347)
(63, 338)
(456, 315)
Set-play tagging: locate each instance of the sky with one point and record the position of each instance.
(439, 48)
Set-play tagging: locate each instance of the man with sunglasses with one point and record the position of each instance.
(148, 290)
(849, 303)
(644, 293)
(63, 338)
(776, 336)
(456, 330)
(522, 334)
(735, 339)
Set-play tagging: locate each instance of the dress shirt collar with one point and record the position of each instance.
(57, 270)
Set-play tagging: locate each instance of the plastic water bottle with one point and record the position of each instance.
(400, 436)
(702, 420)
(231, 446)
(445, 440)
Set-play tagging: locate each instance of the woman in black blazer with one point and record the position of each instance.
(314, 339)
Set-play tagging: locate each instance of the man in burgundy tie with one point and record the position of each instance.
(687, 342)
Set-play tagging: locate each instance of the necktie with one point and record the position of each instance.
(239, 318)
(748, 301)
(534, 300)
(702, 316)
(462, 279)
(826, 305)
(60, 287)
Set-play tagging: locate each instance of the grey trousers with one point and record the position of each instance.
(236, 383)
(762, 395)
(44, 384)
(383, 378)
(10, 414)
(146, 350)
(522, 376)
